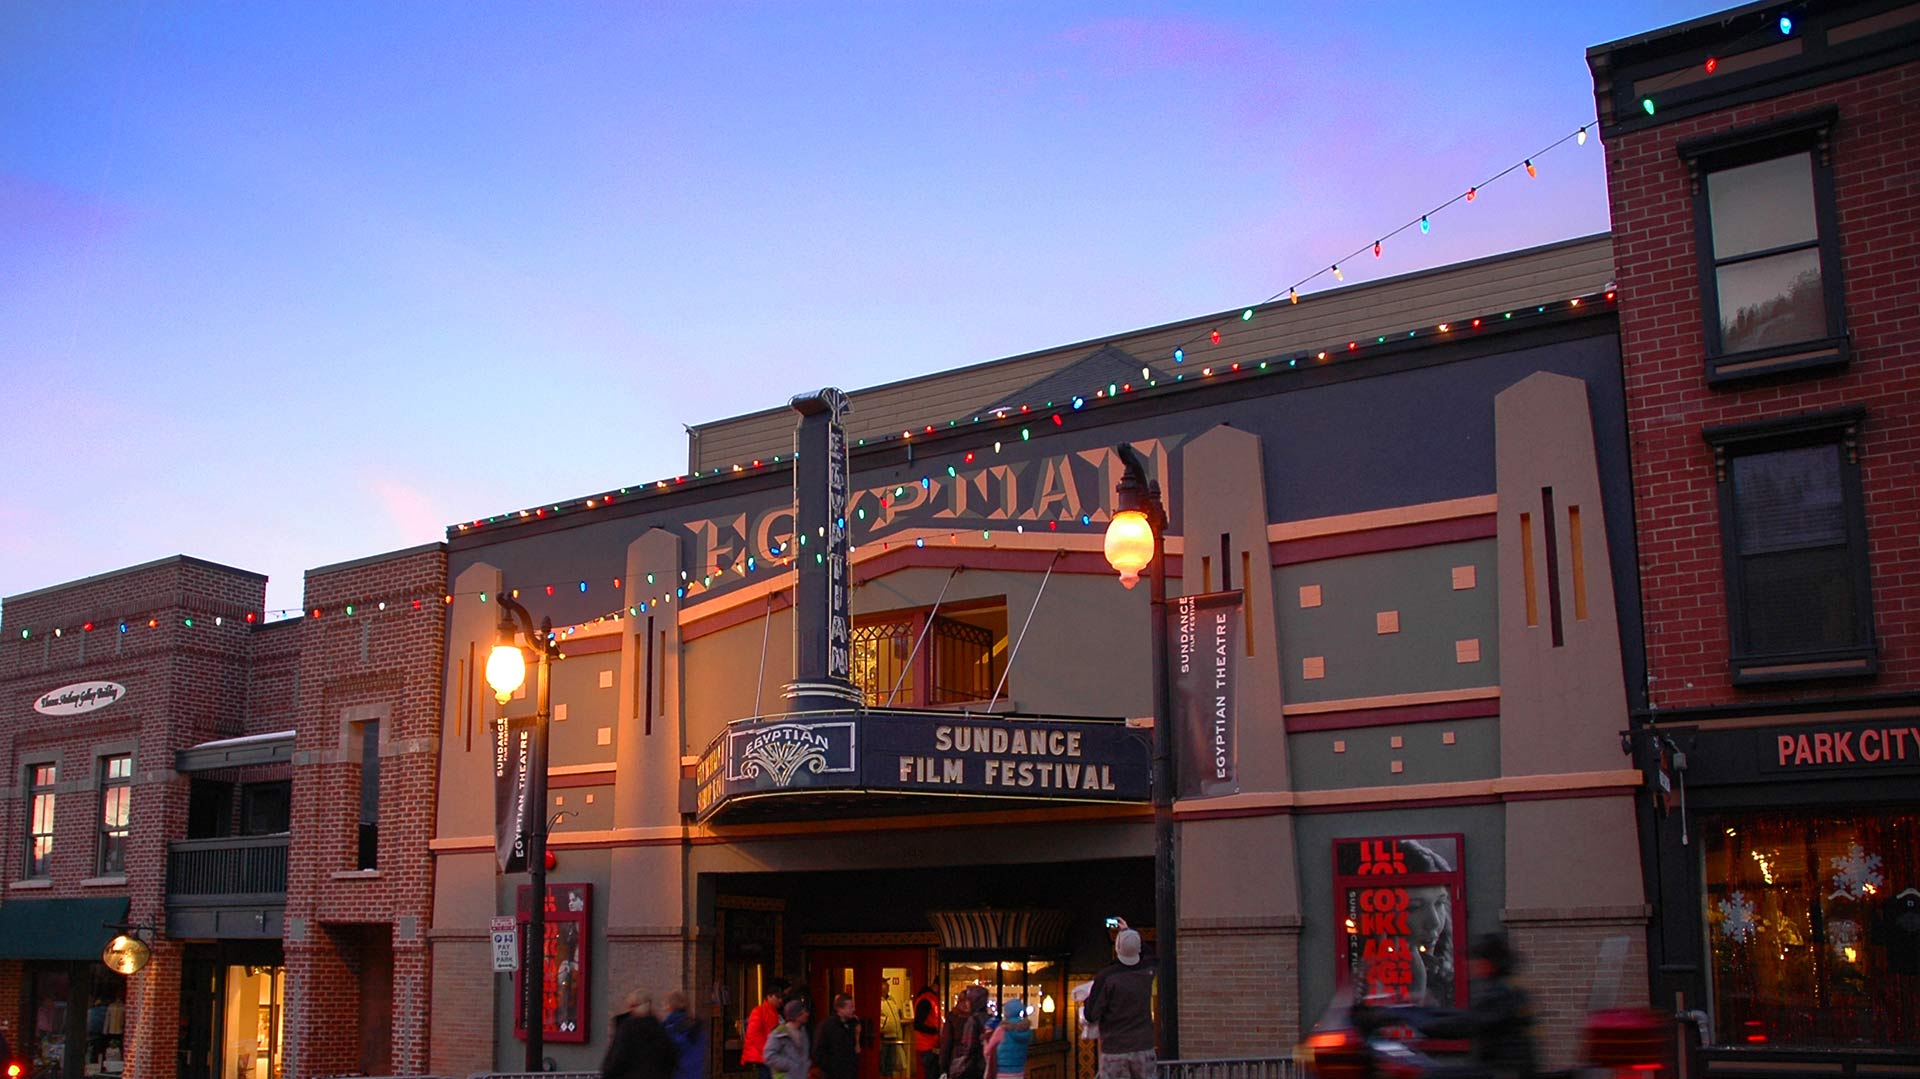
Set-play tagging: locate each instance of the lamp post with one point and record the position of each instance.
(506, 672)
(1136, 541)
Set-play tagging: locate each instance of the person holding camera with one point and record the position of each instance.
(1120, 1003)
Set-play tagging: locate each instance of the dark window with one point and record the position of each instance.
(209, 809)
(40, 782)
(265, 808)
(369, 795)
(1769, 248)
(116, 804)
(908, 659)
(1794, 536)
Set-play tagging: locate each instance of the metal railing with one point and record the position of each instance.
(1229, 1068)
(228, 869)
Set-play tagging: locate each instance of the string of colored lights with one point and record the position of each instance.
(1783, 24)
(1773, 25)
(1011, 426)
(1424, 223)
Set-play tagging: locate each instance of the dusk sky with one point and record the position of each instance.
(284, 285)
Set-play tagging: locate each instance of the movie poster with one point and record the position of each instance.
(563, 987)
(1401, 901)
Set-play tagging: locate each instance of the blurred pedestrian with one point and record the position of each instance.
(689, 1037)
(640, 1047)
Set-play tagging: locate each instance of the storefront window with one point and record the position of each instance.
(51, 992)
(1038, 983)
(1813, 921)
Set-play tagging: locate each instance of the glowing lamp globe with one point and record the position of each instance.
(1129, 545)
(506, 671)
(126, 954)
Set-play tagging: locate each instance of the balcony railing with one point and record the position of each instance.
(229, 870)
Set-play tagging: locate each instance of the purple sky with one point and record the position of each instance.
(286, 285)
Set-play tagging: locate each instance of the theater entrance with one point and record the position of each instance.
(881, 982)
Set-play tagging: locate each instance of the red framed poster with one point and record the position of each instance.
(564, 972)
(1401, 904)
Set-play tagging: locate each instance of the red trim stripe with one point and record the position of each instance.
(1383, 717)
(1393, 538)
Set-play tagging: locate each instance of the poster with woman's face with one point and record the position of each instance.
(1401, 908)
(563, 969)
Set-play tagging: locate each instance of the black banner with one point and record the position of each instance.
(515, 761)
(1204, 642)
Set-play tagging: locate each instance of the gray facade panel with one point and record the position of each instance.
(1364, 756)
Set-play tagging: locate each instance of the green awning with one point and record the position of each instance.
(58, 928)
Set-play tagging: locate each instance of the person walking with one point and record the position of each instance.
(689, 1037)
(1120, 1003)
(760, 1023)
(640, 1047)
(1499, 1017)
(789, 1050)
(836, 1047)
(1007, 1048)
(963, 1038)
(926, 1030)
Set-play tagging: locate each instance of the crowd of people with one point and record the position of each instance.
(967, 1040)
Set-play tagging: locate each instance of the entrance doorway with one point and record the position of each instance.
(881, 982)
(232, 1011)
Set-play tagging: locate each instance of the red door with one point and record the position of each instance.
(881, 982)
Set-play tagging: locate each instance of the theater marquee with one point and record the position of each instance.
(917, 753)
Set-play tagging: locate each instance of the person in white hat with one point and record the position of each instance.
(1121, 1004)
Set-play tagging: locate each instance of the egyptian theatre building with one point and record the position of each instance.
(879, 717)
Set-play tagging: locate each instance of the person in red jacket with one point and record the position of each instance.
(926, 1031)
(760, 1023)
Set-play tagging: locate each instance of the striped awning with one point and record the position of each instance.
(996, 930)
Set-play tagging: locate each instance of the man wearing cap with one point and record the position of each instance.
(1121, 1004)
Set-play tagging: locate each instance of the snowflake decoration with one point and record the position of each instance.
(1736, 917)
(1859, 873)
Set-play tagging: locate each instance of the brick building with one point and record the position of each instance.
(1438, 622)
(149, 717)
(1764, 174)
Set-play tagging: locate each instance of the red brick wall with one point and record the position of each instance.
(1876, 167)
(184, 685)
(388, 660)
(463, 1006)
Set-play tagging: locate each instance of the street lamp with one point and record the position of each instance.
(506, 672)
(1136, 541)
